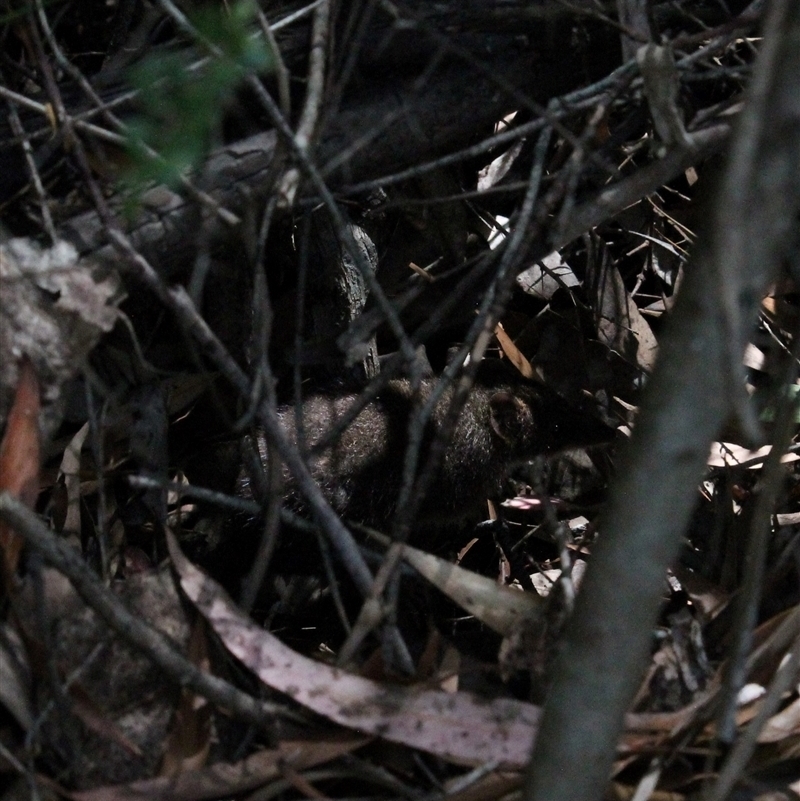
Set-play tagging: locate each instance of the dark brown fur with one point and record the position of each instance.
(502, 423)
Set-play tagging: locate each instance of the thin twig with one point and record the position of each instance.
(307, 128)
(737, 761)
(477, 339)
(201, 197)
(281, 71)
(749, 598)
(283, 129)
(33, 170)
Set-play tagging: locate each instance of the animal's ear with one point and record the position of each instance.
(509, 416)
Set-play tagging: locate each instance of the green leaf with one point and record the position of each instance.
(181, 110)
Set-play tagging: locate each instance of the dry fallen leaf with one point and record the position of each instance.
(54, 307)
(547, 276)
(727, 454)
(620, 324)
(514, 354)
(19, 458)
(502, 609)
(455, 726)
(70, 469)
(785, 724)
(224, 780)
(498, 168)
(189, 740)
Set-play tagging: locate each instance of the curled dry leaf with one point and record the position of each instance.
(455, 726)
(70, 469)
(53, 309)
(620, 324)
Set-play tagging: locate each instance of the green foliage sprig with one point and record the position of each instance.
(181, 109)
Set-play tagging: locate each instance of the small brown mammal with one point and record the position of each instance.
(504, 421)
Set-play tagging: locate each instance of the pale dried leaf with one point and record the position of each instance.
(498, 232)
(785, 724)
(496, 170)
(513, 353)
(53, 308)
(620, 325)
(71, 470)
(502, 609)
(454, 726)
(726, 454)
(544, 278)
